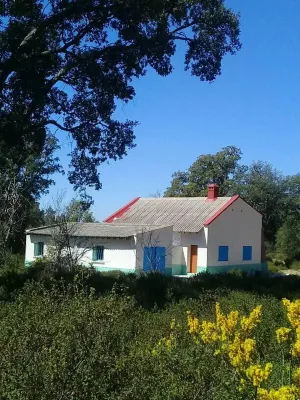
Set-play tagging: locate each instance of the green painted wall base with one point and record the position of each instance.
(101, 268)
(248, 268)
(176, 269)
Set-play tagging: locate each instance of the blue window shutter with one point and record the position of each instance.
(223, 253)
(147, 259)
(41, 248)
(161, 258)
(98, 253)
(247, 253)
(154, 259)
(36, 250)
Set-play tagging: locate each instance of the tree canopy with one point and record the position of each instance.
(220, 168)
(75, 211)
(275, 196)
(65, 64)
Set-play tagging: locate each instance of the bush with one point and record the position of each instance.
(62, 343)
(11, 263)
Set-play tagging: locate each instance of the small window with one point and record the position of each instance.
(98, 253)
(223, 253)
(247, 253)
(38, 249)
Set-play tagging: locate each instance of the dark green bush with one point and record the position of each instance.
(61, 343)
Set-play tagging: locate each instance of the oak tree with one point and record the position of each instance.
(66, 63)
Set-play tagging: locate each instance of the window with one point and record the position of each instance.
(223, 253)
(247, 253)
(98, 253)
(38, 249)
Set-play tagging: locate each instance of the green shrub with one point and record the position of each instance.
(61, 343)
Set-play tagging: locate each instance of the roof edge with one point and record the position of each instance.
(221, 210)
(121, 211)
(40, 227)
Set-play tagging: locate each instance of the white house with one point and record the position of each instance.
(177, 236)
(106, 246)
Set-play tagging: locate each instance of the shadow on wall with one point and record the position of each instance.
(179, 262)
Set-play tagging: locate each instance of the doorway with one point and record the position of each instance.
(194, 259)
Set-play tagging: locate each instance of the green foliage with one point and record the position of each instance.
(76, 211)
(12, 263)
(64, 341)
(288, 238)
(220, 168)
(66, 64)
(275, 196)
(266, 190)
(23, 179)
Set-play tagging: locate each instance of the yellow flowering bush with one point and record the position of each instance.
(283, 393)
(282, 335)
(232, 338)
(257, 374)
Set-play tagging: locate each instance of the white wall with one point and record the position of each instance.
(238, 226)
(118, 253)
(30, 240)
(162, 237)
(198, 239)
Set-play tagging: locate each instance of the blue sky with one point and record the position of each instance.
(254, 105)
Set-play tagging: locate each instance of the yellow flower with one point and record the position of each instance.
(296, 349)
(282, 334)
(209, 332)
(217, 352)
(226, 325)
(249, 323)
(165, 343)
(193, 323)
(293, 312)
(240, 351)
(296, 376)
(257, 374)
(283, 393)
(242, 385)
(173, 324)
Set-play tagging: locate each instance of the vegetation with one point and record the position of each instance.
(82, 334)
(275, 196)
(66, 64)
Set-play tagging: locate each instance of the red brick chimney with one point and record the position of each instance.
(213, 192)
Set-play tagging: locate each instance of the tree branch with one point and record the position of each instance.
(184, 38)
(59, 126)
(180, 28)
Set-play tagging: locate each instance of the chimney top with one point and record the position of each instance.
(213, 191)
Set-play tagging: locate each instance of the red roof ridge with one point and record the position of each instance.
(221, 210)
(121, 211)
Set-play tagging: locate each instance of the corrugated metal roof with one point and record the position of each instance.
(186, 214)
(97, 229)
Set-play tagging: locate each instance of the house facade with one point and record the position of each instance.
(177, 236)
(210, 234)
(104, 246)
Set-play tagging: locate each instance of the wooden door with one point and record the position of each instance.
(194, 259)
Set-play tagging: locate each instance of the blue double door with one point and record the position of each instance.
(154, 259)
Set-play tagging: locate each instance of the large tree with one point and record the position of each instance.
(220, 168)
(265, 189)
(66, 63)
(20, 189)
(275, 196)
